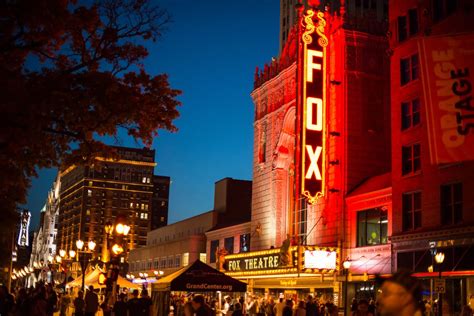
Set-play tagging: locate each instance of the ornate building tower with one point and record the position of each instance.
(354, 130)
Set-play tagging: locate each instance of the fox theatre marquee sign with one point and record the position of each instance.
(312, 89)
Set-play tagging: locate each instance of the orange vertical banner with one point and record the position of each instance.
(447, 73)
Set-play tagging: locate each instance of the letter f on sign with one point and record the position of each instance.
(313, 166)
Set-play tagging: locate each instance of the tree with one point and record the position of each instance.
(69, 72)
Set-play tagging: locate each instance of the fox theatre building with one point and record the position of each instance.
(319, 132)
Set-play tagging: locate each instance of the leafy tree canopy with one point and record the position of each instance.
(69, 71)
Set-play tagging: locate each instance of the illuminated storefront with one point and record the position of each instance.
(308, 270)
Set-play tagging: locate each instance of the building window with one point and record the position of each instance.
(411, 210)
(372, 227)
(411, 161)
(203, 257)
(163, 263)
(300, 220)
(451, 203)
(170, 262)
(89, 193)
(177, 261)
(186, 259)
(156, 263)
(402, 28)
(214, 247)
(409, 69)
(443, 8)
(245, 243)
(410, 113)
(407, 25)
(413, 21)
(229, 244)
(262, 144)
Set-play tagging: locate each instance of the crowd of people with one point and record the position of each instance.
(43, 300)
(399, 295)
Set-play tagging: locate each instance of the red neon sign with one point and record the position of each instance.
(313, 107)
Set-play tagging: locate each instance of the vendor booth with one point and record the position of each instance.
(197, 277)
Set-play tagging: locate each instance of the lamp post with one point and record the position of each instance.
(66, 261)
(439, 258)
(346, 265)
(84, 256)
(113, 259)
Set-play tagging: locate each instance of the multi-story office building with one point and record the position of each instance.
(106, 192)
(431, 44)
(179, 244)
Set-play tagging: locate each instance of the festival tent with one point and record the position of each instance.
(92, 278)
(199, 277)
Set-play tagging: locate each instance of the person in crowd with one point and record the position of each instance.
(300, 310)
(133, 304)
(252, 306)
(146, 303)
(188, 309)
(270, 307)
(39, 304)
(200, 307)
(226, 305)
(79, 304)
(23, 303)
(362, 309)
(64, 303)
(278, 309)
(400, 295)
(237, 310)
(120, 306)
(51, 300)
(106, 305)
(91, 302)
(288, 309)
(353, 305)
(311, 307)
(243, 305)
(372, 306)
(7, 301)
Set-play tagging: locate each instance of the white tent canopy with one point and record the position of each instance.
(92, 278)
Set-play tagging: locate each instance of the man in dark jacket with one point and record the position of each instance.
(312, 308)
(92, 302)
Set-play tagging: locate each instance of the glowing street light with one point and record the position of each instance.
(346, 265)
(72, 253)
(79, 244)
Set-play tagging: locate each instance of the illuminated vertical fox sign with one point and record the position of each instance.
(313, 107)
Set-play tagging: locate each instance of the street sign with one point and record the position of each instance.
(440, 286)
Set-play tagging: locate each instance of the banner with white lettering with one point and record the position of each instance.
(447, 66)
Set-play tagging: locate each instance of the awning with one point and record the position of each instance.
(199, 277)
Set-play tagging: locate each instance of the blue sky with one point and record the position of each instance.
(210, 52)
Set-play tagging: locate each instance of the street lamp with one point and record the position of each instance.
(66, 261)
(346, 265)
(439, 258)
(84, 257)
(158, 274)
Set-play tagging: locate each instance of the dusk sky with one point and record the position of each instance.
(210, 52)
